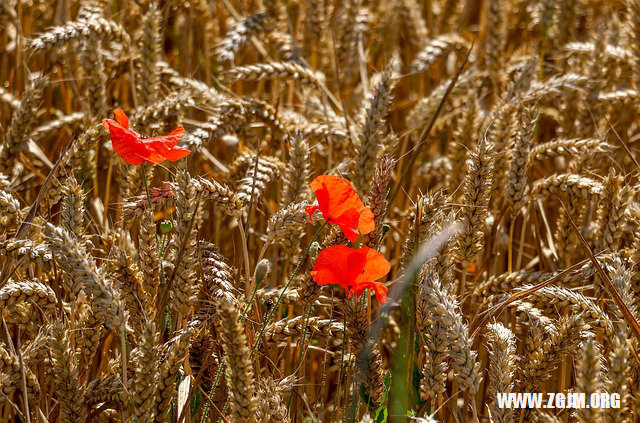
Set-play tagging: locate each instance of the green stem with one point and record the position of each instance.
(161, 245)
(161, 254)
(220, 371)
(286, 286)
(212, 391)
(344, 340)
(302, 342)
(164, 236)
(253, 295)
(222, 362)
(146, 190)
(304, 335)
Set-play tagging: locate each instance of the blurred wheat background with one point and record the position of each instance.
(495, 141)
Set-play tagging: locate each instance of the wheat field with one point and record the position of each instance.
(492, 145)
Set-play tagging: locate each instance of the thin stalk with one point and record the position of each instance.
(301, 344)
(222, 365)
(107, 195)
(463, 282)
(245, 254)
(23, 379)
(253, 295)
(161, 245)
(123, 346)
(344, 340)
(286, 286)
(164, 237)
(510, 247)
(212, 391)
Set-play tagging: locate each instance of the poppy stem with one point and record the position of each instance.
(245, 255)
(253, 295)
(284, 289)
(303, 337)
(212, 391)
(224, 357)
(155, 232)
(301, 344)
(123, 352)
(146, 190)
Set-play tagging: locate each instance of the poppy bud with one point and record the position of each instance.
(313, 250)
(262, 270)
(385, 228)
(166, 226)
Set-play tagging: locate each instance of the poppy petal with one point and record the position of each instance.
(121, 118)
(177, 153)
(366, 222)
(338, 264)
(126, 143)
(134, 150)
(376, 266)
(350, 233)
(168, 141)
(341, 205)
(334, 194)
(311, 210)
(379, 289)
(322, 195)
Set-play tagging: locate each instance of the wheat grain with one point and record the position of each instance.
(611, 214)
(558, 296)
(184, 245)
(242, 384)
(503, 360)
(618, 378)
(580, 186)
(295, 189)
(240, 34)
(589, 376)
(377, 199)
(283, 329)
(286, 222)
(145, 361)
(65, 367)
(370, 136)
(81, 267)
(563, 341)
(72, 120)
(21, 120)
(495, 44)
(274, 70)
(437, 49)
(77, 31)
(444, 310)
(147, 76)
(517, 178)
(11, 212)
(476, 200)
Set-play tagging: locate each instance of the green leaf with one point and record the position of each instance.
(382, 414)
(417, 375)
(387, 381)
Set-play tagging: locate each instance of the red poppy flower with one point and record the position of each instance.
(354, 269)
(341, 205)
(135, 148)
